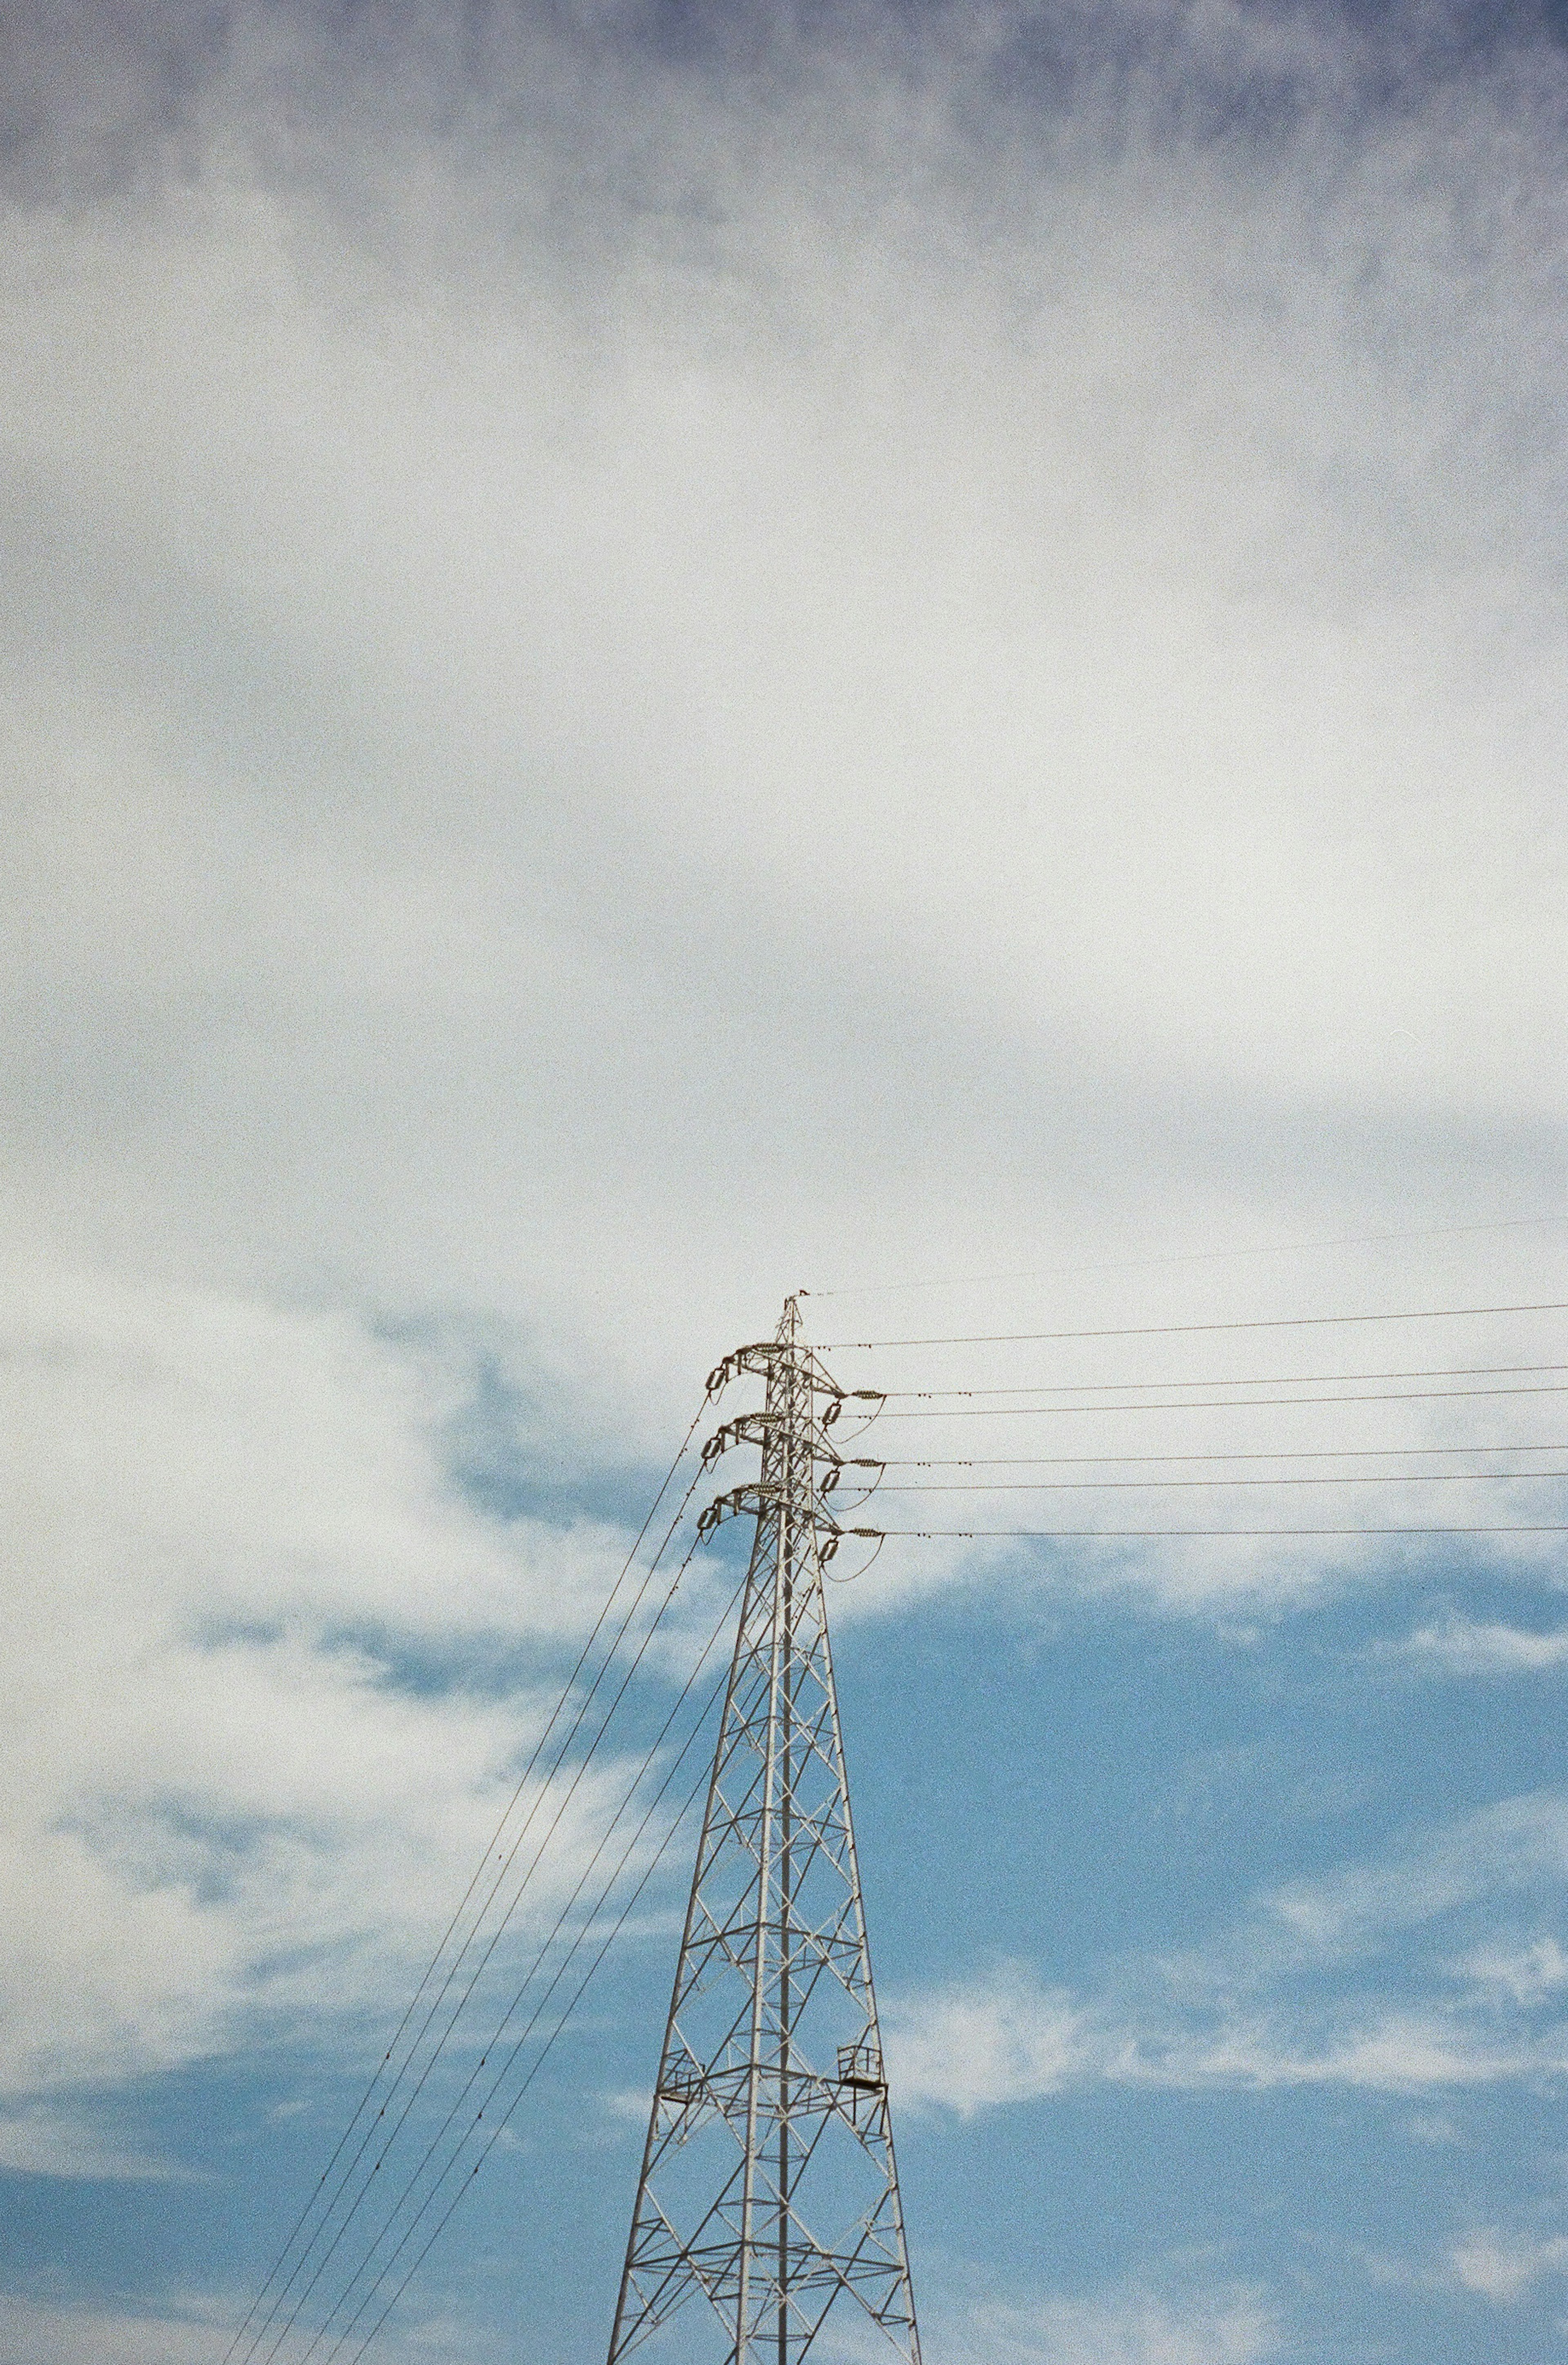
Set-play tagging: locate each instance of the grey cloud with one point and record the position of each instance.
(647, 664)
(510, 791)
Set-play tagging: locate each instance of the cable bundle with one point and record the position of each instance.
(392, 2184)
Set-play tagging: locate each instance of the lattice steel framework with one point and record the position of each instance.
(768, 2186)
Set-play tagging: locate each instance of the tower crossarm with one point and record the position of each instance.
(759, 1427)
(758, 1498)
(763, 1357)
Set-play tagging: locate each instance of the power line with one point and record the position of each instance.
(430, 1970)
(1226, 1404)
(1374, 1478)
(1199, 1256)
(541, 1957)
(1292, 1453)
(563, 1802)
(1250, 1380)
(501, 2125)
(501, 2075)
(638, 1597)
(1190, 1329)
(1097, 1535)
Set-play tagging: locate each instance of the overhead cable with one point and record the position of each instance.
(1197, 1256)
(1228, 1404)
(500, 2076)
(452, 1926)
(1294, 1478)
(501, 2125)
(1248, 1380)
(1192, 1330)
(1100, 1535)
(561, 1806)
(1255, 1453)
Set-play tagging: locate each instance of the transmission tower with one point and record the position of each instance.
(768, 2187)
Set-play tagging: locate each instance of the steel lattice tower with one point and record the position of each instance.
(768, 2186)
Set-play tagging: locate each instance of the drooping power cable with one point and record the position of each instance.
(500, 2076)
(500, 2125)
(445, 2034)
(1045, 1535)
(445, 1939)
(1229, 1403)
(1296, 1478)
(1250, 1380)
(1193, 1330)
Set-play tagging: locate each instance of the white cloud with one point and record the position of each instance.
(976, 2047)
(1307, 1987)
(42, 2140)
(223, 1525)
(600, 726)
(1504, 2267)
(1128, 2328)
(41, 2332)
(605, 725)
(1525, 1974)
(37, 2333)
(1468, 1646)
(1519, 1844)
(624, 686)
(1003, 2040)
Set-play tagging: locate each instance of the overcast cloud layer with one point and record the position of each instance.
(650, 656)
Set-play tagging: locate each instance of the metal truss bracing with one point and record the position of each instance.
(768, 2193)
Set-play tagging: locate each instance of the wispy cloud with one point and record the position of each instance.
(1524, 1973)
(1123, 2328)
(37, 2332)
(45, 2139)
(1519, 1845)
(1005, 2039)
(44, 2332)
(1468, 1646)
(1315, 1985)
(1505, 2267)
(1002, 2040)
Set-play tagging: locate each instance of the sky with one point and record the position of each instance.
(655, 655)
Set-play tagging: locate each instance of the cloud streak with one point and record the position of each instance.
(1130, 2327)
(42, 2332)
(1470, 1646)
(1316, 1985)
